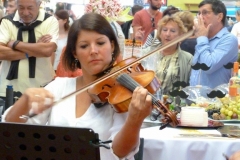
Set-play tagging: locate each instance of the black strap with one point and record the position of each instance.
(13, 70)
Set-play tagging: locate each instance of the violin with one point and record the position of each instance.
(117, 86)
(117, 90)
(114, 89)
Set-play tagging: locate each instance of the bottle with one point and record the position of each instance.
(9, 97)
(234, 82)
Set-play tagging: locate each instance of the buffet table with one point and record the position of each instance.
(186, 144)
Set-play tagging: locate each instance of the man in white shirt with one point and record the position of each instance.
(28, 39)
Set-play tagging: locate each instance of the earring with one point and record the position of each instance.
(76, 63)
(113, 59)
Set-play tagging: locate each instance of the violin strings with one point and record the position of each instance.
(127, 81)
(131, 84)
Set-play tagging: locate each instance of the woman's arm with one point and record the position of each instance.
(33, 99)
(127, 138)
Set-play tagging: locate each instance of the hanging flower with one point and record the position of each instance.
(110, 9)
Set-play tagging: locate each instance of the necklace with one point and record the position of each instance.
(152, 15)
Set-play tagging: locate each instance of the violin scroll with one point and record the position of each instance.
(170, 117)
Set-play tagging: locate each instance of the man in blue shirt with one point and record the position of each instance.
(215, 47)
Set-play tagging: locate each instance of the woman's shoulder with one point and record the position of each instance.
(62, 86)
(65, 79)
(60, 82)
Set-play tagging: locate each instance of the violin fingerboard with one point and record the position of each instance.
(127, 81)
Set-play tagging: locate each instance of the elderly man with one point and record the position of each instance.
(11, 7)
(27, 41)
(215, 47)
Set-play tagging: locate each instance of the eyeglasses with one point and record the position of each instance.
(204, 13)
(153, 23)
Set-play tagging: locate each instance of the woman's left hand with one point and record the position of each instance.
(141, 104)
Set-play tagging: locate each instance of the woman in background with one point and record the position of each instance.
(171, 64)
(62, 17)
(188, 44)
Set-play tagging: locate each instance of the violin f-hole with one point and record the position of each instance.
(129, 69)
(106, 85)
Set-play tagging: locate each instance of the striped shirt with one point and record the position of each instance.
(152, 39)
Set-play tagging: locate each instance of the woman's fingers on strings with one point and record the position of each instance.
(149, 101)
(141, 95)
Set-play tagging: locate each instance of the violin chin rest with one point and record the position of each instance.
(99, 105)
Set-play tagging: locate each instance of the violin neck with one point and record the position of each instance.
(128, 82)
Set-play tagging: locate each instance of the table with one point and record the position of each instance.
(173, 144)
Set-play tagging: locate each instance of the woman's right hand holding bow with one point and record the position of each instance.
(33, 101)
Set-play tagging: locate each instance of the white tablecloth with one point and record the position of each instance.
(168, 144)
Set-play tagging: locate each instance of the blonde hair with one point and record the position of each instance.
(172, 18)
(187, 19)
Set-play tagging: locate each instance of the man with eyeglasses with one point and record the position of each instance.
(215, 47)
(145, 21)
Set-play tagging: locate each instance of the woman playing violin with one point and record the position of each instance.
(91, 46)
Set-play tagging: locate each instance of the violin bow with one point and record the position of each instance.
(105, 77)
